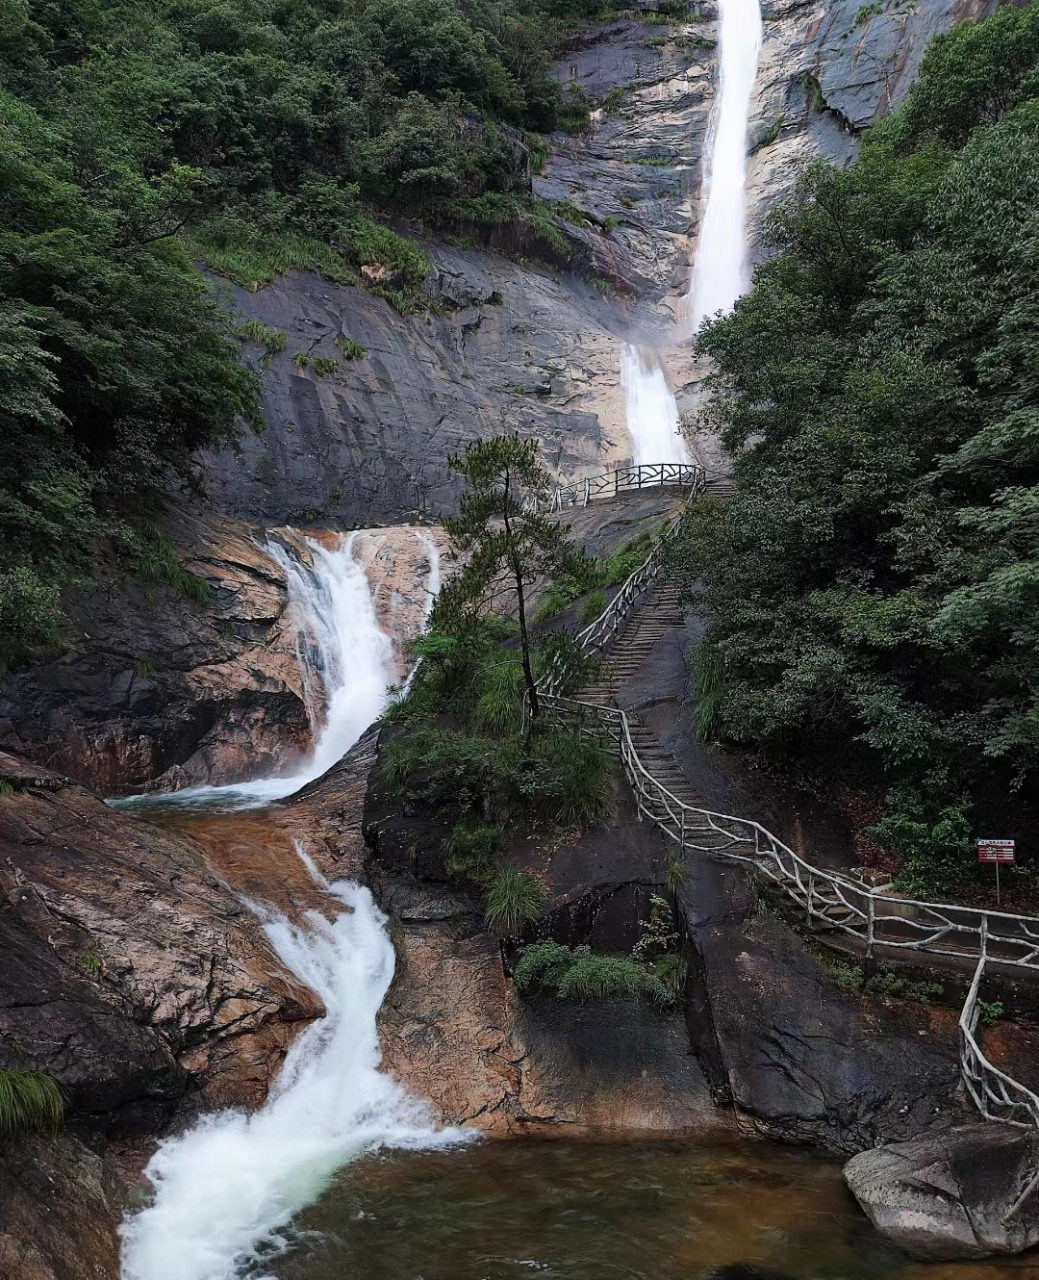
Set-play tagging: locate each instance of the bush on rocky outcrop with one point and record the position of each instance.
(581, 974)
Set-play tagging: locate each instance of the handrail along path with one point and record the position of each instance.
(877, 919)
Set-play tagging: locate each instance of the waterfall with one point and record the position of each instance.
(719, 273)
(226, 1190)
(651, 409)
(346, 666)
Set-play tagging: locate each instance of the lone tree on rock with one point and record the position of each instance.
(502, 542)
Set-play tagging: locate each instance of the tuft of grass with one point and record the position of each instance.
(514, 899)
(675, 874)
(6, 787)
(709, 686)
(301, 360)
(471, 849)
(351, 350)
(272, 340)
(570, 778)
(156, 562)
(30, 1102)
(323, 365)
(613, 100)
(593, 606)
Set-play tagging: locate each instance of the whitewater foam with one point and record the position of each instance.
(652, 412)
(226, 1190)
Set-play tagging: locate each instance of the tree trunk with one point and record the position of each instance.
(528, 675)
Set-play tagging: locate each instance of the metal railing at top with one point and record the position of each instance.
(655, 475)
(829, 898)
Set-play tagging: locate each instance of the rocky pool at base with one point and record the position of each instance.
(566, 1210)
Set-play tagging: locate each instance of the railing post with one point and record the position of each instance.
(616, 483)
(984, 935)
(587, 493)
(870, 926)
(682, 845)
(808, 896)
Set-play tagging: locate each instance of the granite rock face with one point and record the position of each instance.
(130, 973)
(158, 692)
(949, 1195)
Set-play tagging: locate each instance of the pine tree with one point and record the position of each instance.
(502, 542)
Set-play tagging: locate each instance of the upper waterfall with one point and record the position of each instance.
(719, 270)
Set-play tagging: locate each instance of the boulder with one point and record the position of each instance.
(947, 1195)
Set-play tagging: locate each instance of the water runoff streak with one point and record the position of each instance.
(346, 664)
(226, 1190)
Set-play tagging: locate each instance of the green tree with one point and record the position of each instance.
(501, 541)
(871, 590)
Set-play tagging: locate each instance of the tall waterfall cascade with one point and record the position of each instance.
(226, 1190)
(719, 273)
(720, 268)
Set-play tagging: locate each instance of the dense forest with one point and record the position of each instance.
(872, 590)
(253, 135)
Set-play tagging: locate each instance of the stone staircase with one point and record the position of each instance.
(659, 612)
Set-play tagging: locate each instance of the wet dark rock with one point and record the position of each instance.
(154, 686)
(949, 1194)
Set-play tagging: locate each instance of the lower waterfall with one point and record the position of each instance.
(226, 1190)
(652, 413)
(346, 664)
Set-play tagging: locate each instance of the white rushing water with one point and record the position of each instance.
(720, 269)
(226, 1190)
(651, 409)
(346, 663)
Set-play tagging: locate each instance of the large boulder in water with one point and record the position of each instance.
(947, 1195)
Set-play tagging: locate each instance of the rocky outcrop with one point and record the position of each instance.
(129, 973)
(158, 692)
(950, 1194)
(155, 685)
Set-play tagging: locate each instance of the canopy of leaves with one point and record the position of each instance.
(872, 590)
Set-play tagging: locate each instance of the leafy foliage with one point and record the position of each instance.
(872, 587)
(581, 974)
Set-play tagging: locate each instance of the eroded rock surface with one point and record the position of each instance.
(948, 1195)
(129, 972)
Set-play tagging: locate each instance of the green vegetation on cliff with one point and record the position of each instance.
(256, 134)
(872, 590)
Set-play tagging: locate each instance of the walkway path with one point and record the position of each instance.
(643, 610)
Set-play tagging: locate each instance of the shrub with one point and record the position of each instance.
(351, 350)
(513, 900)
(30, 1102)
(323, 365)
(272, 340)
(155, 561)
(581, 974)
